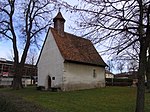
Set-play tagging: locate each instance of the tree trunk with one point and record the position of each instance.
(148, 72)
(148, 59)
(17, 81)
(141, 77)
(148, 82)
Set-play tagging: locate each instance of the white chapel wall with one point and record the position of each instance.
(50, 63)
(78, 76)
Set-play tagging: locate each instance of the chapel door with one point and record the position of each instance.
(49, 82)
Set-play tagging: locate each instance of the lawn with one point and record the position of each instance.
(109, 99)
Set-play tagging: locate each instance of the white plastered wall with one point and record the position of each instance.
(50, 64)
(80, 76)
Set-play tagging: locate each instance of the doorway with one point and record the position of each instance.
(49, 82)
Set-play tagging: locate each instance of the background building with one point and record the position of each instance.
(7, 72)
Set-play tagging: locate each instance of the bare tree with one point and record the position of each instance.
(22, 22)
(122, 23)
(32, 57)
(120, 66)
(127, 60)
(132, 65)
(110, 66)
(148, 72)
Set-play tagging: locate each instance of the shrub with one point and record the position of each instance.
(11, 103)
(118, 82)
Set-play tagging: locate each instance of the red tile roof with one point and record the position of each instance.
(77, 49)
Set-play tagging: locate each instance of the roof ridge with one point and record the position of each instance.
(73, 35)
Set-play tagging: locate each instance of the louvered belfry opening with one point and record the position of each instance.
(59, 22)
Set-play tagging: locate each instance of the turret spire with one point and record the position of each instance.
(59, 23)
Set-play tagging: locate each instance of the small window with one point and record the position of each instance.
(94, 73)
(53, 78)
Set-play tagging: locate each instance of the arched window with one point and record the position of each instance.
(94, 73)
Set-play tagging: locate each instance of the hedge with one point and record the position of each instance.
(11, 103)
(118, 82)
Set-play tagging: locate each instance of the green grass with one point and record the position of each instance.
(109, 99)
